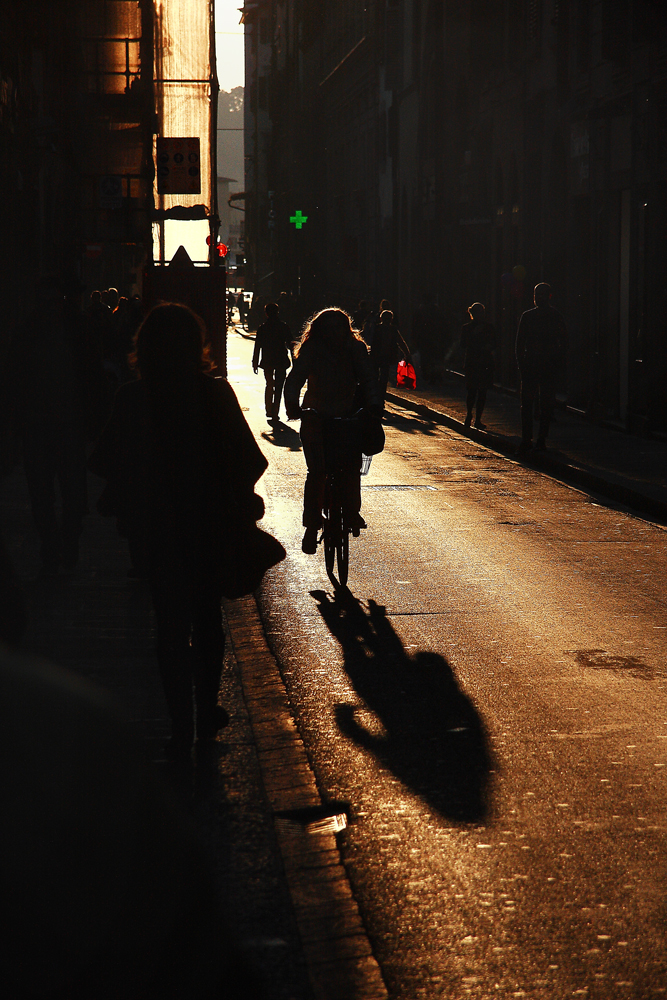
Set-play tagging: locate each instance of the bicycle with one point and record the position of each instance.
(341, 439)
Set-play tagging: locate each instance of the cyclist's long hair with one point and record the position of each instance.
(330, 326)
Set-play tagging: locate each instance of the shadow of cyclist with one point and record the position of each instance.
(435, 740)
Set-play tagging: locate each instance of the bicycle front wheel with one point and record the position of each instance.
(336, 546)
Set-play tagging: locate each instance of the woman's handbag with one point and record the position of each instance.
(371, 433)
(248, 553)
(405, 375)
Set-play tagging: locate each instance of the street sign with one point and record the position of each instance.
(178, 166)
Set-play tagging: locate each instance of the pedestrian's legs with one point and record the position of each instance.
(279, 381)
(313, 450)
(383, 378)
(313, 498)
(352, 487)
(547, 403)
(171, 602)
(528, 390)
(208, 647)
(470, 402)
(268, 392)
(481, 403)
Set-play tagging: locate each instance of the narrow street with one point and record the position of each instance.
(490, 703)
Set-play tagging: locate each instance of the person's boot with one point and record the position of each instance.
(478, 423)
(468, 420)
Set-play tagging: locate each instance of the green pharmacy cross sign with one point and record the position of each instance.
(298, 219)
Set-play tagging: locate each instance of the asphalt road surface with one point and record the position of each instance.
(490, 702)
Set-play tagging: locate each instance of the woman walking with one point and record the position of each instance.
(181, 465)
(478, 342)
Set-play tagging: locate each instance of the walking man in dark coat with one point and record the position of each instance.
(271, 353)
(541, 344)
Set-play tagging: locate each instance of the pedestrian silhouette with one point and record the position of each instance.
(387, 349)
(541, 345)
(478, 342)
(181, 465)
(271, 354)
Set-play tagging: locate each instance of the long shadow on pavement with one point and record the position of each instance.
(411, 424)
(283, 436)
(435, 740)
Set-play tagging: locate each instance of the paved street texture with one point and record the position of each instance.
(490, 701)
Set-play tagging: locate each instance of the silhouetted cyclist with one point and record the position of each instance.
(333, 359)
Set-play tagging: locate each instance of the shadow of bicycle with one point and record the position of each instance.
(434, 739)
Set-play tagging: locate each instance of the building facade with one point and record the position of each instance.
(76, 134)
(471, 149)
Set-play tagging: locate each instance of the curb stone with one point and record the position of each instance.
(338, 954)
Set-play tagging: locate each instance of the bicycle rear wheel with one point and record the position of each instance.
(336, 545)
(329, 542)
(343, 552)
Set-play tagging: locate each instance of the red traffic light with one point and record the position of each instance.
(220, 247)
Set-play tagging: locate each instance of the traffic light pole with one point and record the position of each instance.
(214, 218)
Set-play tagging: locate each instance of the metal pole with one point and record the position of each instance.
(214, 218)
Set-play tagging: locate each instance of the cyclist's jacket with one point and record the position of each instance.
(333, 376)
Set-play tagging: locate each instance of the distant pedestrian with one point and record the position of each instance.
(478, 342)
(181, 465)
(387, 349)
(541, 345)
(242, 307)
(372, 320)
(271, 354)
(429, 337)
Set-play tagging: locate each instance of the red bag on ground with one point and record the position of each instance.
(405, 375)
